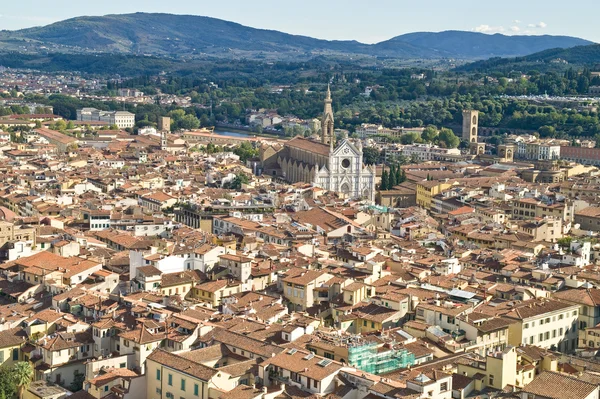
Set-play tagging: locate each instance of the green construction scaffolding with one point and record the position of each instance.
(369, 358)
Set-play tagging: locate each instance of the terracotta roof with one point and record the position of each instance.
(308, 145)
(552, 385)
(183, 365)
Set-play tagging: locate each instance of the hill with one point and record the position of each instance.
(474, 45)
(196, 36)
(556, 58)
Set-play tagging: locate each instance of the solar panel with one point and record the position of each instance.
(292, 351)
(309, 356)
(324, 363)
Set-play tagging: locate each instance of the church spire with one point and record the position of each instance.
(327, 131)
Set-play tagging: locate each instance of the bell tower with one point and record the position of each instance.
(470, 125)
(327, 131)
(163, 140)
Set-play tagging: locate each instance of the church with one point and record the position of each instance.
(324, 164)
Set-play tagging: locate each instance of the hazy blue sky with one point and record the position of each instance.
(364, 20)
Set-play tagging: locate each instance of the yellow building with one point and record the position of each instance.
(426, 190)
(496, 370)
(211, 292)
(11, 342)
(169, 376)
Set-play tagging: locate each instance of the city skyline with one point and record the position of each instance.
(338, 20)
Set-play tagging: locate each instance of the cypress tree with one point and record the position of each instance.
(385, 181)
(399, 175)
(392, 177)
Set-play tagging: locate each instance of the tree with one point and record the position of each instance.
(409, 138)
(385, 181)
(78, 380)
(448, 139)
(60, 125)
(547, 131)
(238, 181)
(393, 181)
(7, 385)
(245, 151)
(370, 155)
(188, 122)
(22, 373)
(400, 176)
(429, 134)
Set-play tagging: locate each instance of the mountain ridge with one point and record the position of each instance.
(193, 36)
(579, 55)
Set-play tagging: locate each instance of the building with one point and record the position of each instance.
(62, 142)
(367, 130)
(429, 152)
(538, 151)
(553, 385)
(588, 218)
(299, 287)
(582, 155)
(548, 324)
(334, 168)
(123, 119)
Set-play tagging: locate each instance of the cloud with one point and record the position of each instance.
(515, 29)
(539, 25)
(516, 21)
(488, 29)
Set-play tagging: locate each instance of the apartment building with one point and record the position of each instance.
(298, 287)
(546, 323)
(302, 369)
(527, 208)
(588, 218)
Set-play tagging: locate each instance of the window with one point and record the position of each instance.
(15, 354)
(170, 380)
(372, 324)
(443, 387)
(491, 378)
(196, 389)
(526, 326)
(183, 385)
(364, 323)
(541, 337)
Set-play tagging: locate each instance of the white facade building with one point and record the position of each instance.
(123, 119)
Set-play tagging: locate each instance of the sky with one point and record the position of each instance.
(368, 21)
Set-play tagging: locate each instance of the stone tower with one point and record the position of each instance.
(164, 124)
(470, 124)
(163, 140)
(327, 131)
